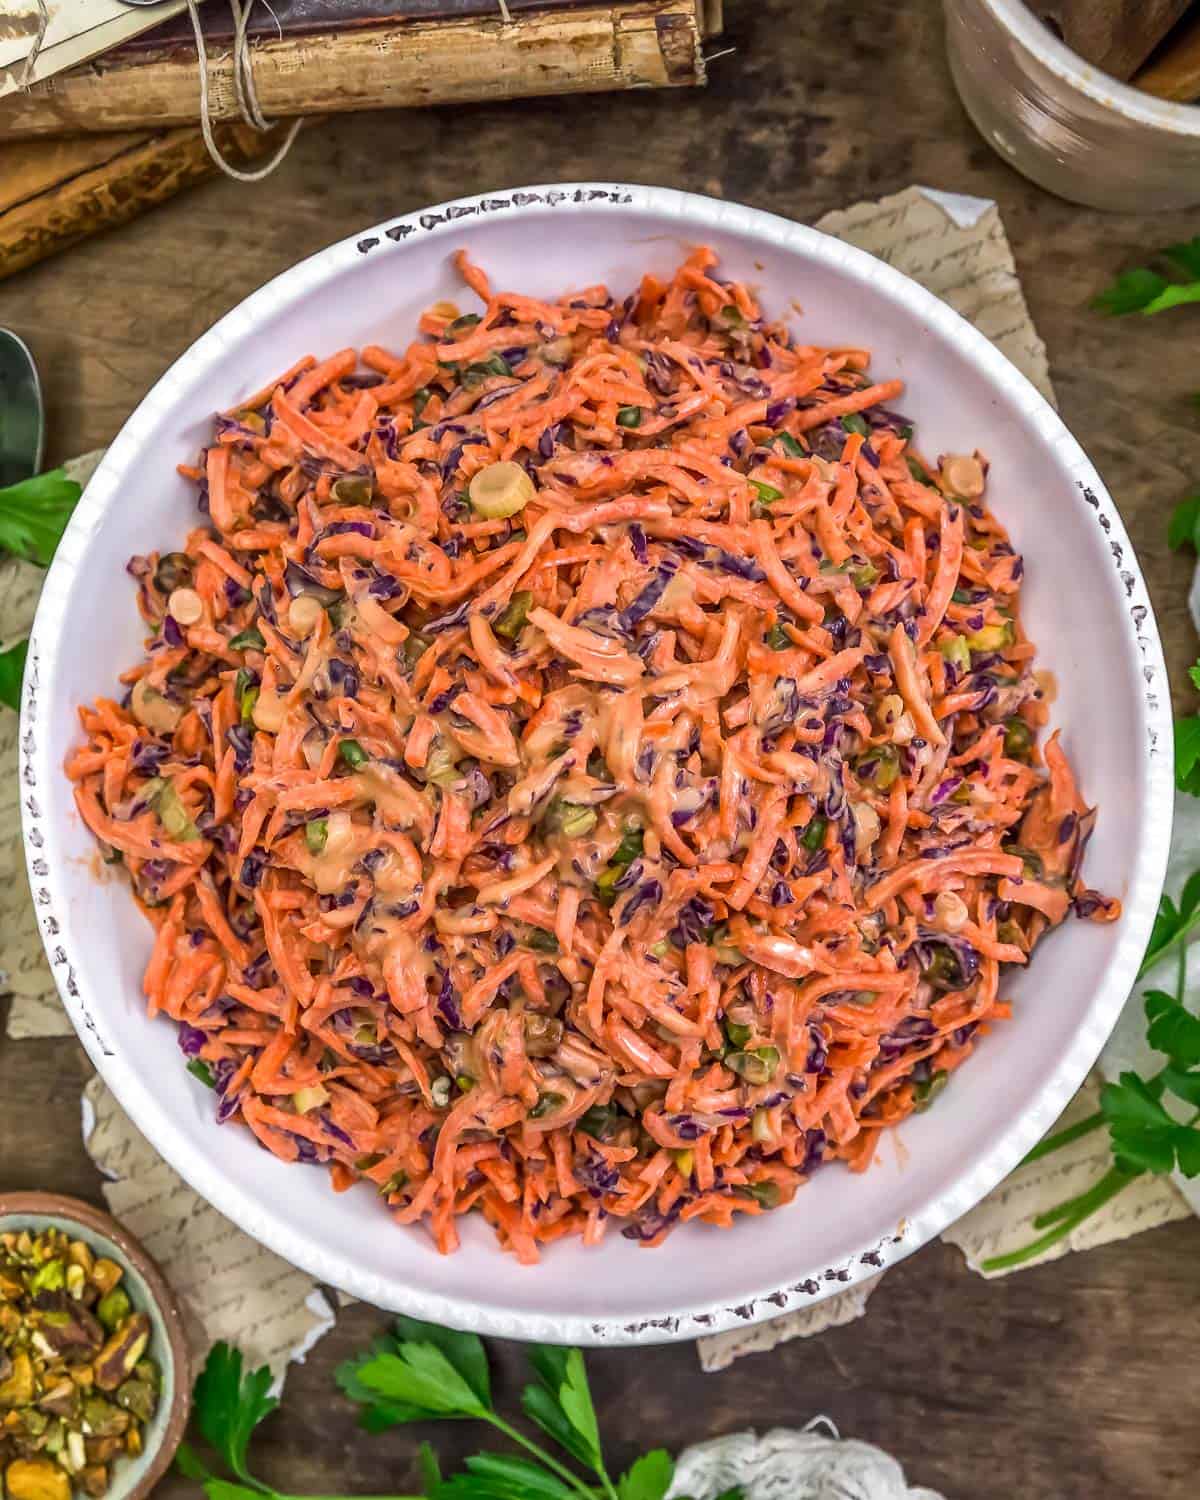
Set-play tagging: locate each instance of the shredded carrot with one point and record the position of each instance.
(620, 855)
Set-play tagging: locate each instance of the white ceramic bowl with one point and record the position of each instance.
(1085, 604)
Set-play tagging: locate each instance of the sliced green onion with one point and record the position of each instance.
(915, 469)
(814, 835)
(956, 651)
(960, 596)
(600, 1121)
(864, 576)
(738, 1034)
(352, 753)
(546, 1104)
(315, 835)
(789, 445)
(198, 1068)
(766, 1194)
(484, 370)
(630, 846)
(420, 400)
(766, 492)
(571, 820)
(852, 422)
(733, 315)
(541, 941)
(629, 416)
(461, 325)
(352, 489)
(927, 1090)
(685, 1161)
(512, 621)
(394, 1184)
(778, 638)
(250, 639)
(991, 637)
(759, 1065)
(249, 699)
(172, 814)
(415, 648)
(1018, 739)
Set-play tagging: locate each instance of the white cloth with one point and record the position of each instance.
(786, 1465)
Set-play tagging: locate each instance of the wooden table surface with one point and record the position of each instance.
(1077, 1379)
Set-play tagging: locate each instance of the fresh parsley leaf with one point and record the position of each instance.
(1173, 1029)
(1174, 294)
(464, 1351)
(540, 1406)
(189, 1463)
(1146, 291)
(1145, 1138)
(649, 1478)
(1187, 754)
(1185, 1086)
(391, 1389)
(1133, 291)
(1186, 257)
(1183, 529)
(34, 515)
(496, 1476)
(431, 1470)
(12, 669)
(1194, 674)
(568, 1414)
(228, 1406)
(419, 1382)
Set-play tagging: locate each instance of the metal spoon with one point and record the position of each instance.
(22, 417)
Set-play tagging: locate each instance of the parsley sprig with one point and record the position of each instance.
(417, 1373)
(1145, 1135)
(1147, 291)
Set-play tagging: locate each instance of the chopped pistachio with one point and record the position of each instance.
(113, 1308)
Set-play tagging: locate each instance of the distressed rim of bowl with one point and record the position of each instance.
(94, 1221)
(695, 216)
(1170, 115)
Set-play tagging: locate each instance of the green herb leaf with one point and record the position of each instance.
(1133, 291)
(542, 1407)
(1186, 257)
(425, 1371)
(34, 515)
(189, 1463)
(1187, 754)
(1174, 294)
(649, 1478)
(564, 1377)
(12, 669)
(228, 1406)
(629, 416)
(1173, 1029)
(431, 1470)
(1185, 1086)
(1183, 529)
(496, 1476)
(1145, 1138)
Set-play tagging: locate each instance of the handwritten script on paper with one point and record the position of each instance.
(230, 1286)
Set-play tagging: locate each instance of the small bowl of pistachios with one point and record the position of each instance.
(94, 1376)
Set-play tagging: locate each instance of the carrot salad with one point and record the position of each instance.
(585, 766)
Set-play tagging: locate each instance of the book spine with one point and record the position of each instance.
(140, 173)
(630, 44)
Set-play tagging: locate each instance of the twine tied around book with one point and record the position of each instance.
(244, 91)
(243, 81)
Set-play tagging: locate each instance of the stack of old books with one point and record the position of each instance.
(91, 144)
